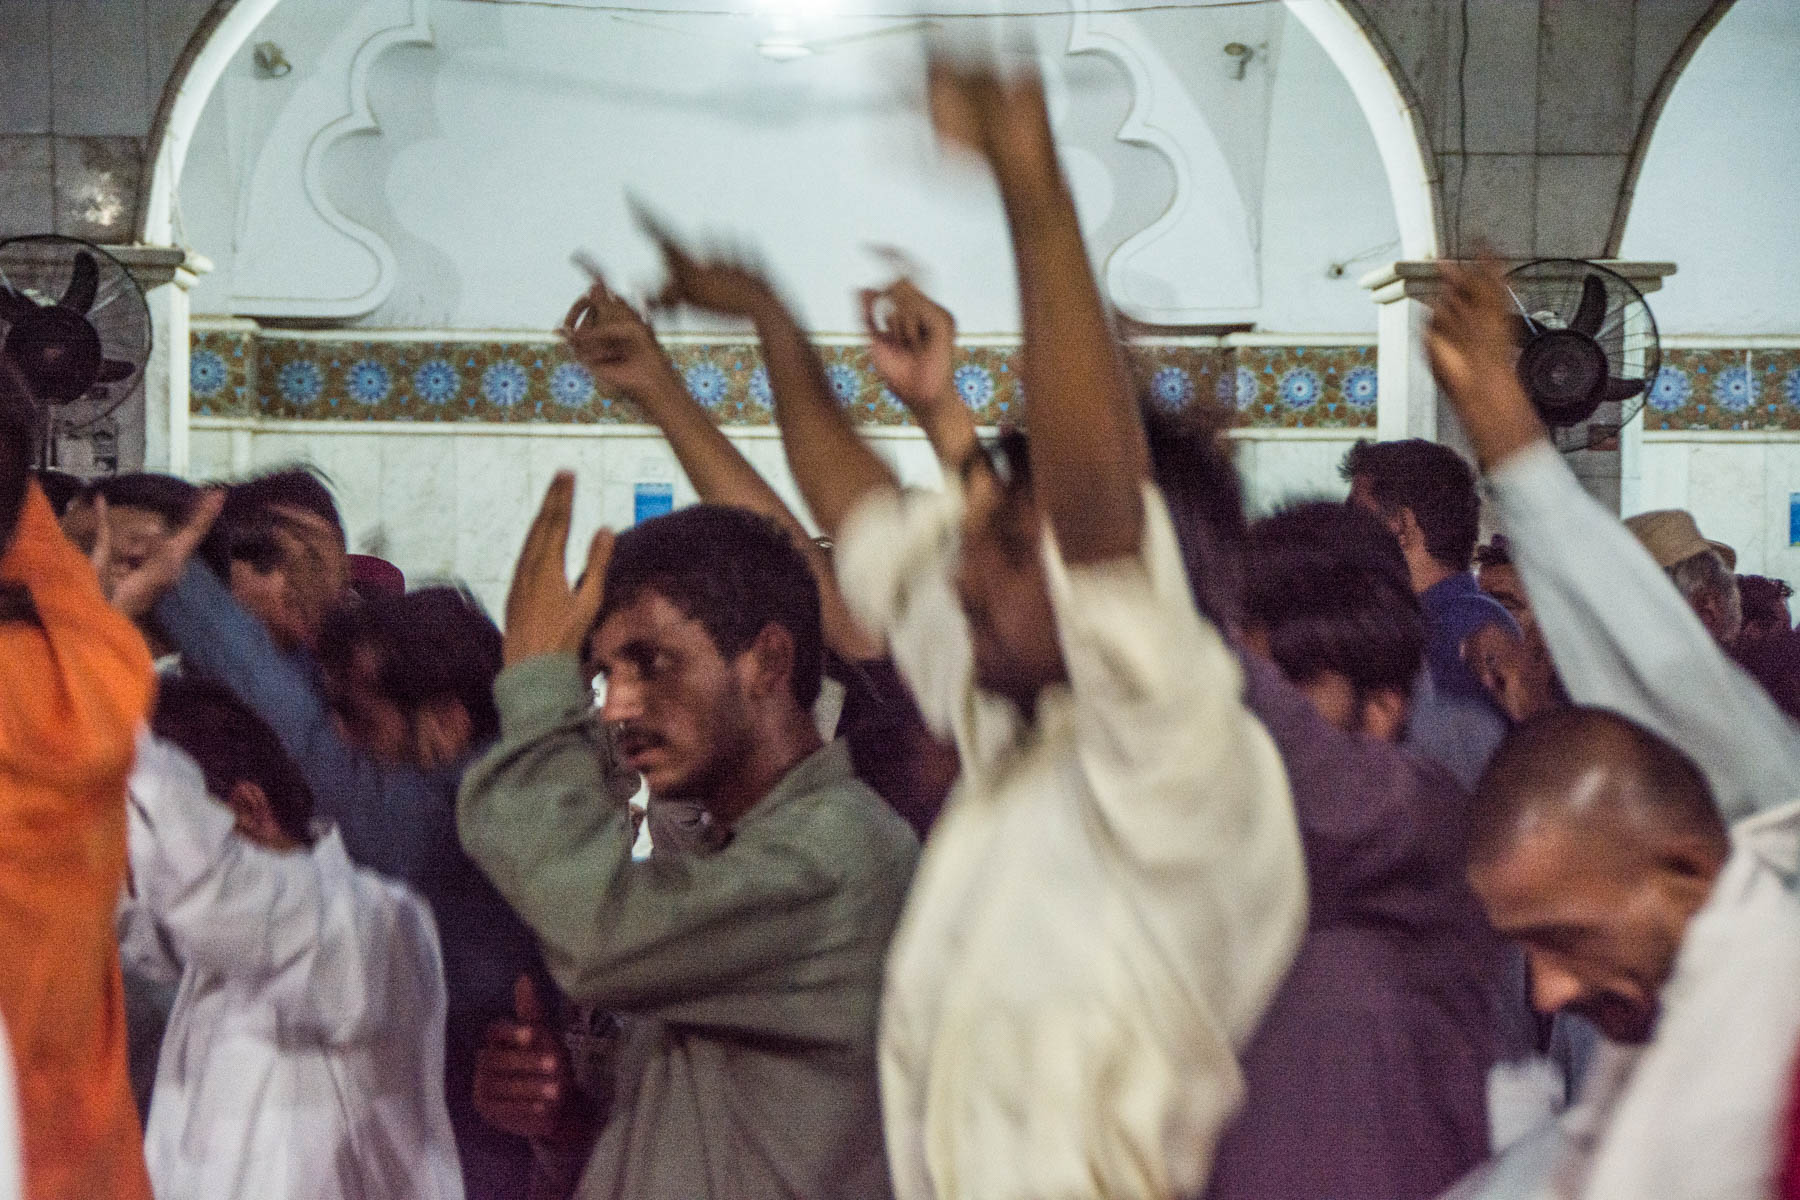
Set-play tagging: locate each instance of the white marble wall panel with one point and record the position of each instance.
(1280, 469)
(1738, 489)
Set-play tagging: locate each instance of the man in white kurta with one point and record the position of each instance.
(1108, 900)
(304, 1055)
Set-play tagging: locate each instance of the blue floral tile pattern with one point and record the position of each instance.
(975, 384)
(1172, 388)
(505, 384)
(846, 382)
(328, 378)
(1361, 387)
(1300, 388)
(1671, 389)
(706, 383)
(436, 382)
(368, 382)
(1735, 389)
(1726, 389)
(300, 382)
(207, 374)
(1245, 390)
(760, 391)
(571, 386)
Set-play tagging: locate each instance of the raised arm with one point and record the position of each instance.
(390, 815)
(1089, 460)
(1619, 632)
(834, 469)
(912, 346)
(617, 346)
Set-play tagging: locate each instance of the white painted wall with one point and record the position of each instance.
(511, 138)
(1717, 195)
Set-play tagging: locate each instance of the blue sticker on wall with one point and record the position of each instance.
(1794, 518)
(652, 500)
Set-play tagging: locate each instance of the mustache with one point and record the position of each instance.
(632, 740)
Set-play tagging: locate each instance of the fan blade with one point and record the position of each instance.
(83, 283)
(15, 307)
(1587, 318)
(112, 370)
(1621, 389)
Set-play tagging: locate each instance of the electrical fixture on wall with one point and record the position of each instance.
(1241, 54)
(270, 62)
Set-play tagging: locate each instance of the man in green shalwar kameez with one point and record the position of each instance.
(746, 964)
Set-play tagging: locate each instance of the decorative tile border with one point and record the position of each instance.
(238, 370)
(1753, 389)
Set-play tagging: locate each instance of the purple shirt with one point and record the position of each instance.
(1368, 1075)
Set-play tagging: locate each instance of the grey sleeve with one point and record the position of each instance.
(1623, 638)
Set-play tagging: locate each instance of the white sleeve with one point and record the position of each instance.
(301, 924)
(896, 562)
(1190, 786)
(1623, 638)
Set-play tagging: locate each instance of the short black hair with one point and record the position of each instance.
(232, 745)
(244, 530)
(432, 644)
(1326, 582)
(733, 571)
(18, 446)
(170, 498)
(1433, 482)
(1543, 765)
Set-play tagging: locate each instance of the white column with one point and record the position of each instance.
(165, 273)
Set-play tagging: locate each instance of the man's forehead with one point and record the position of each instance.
(648, 617)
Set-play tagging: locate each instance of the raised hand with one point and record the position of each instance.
(544, 615)
(1471, 343)
(996, 116)
(135, 592)
(617, 346)
(728, 286)
(315, 566)
(912, 345)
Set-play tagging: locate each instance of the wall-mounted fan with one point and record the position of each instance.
(75, 324)
(1588, 349)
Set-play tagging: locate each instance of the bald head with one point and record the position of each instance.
(1593, 844)
(1589, 768)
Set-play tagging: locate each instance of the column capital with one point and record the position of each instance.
(153, 266)
(1422, 279)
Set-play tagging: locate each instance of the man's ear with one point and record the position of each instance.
(1406, 529)
(768, 663)
(444, 731)
(255, 816)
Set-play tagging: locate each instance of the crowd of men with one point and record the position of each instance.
(1055, 833)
